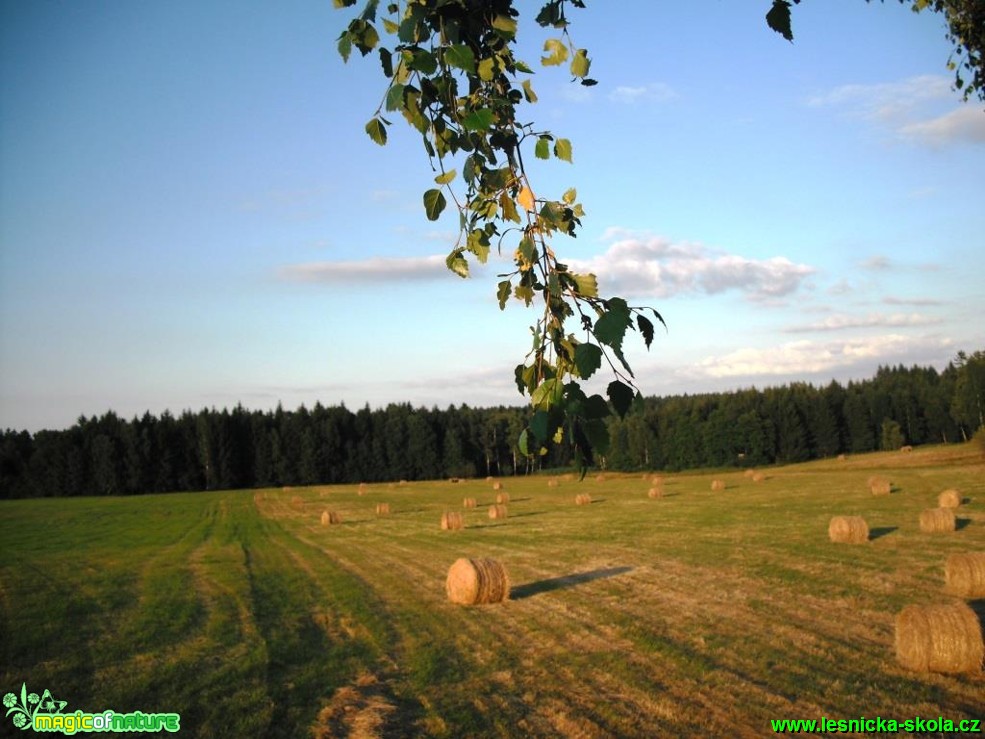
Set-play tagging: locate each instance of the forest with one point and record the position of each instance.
(229, 449)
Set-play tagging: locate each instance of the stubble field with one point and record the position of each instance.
(700, 613)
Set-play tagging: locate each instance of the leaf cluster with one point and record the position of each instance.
(453, 76)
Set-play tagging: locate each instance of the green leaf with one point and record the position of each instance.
(386, 61)
(508, 207)
(369, 12)
(376, 131)
(478, 244)
(570, 195)
(434, 203)
(505, 24)
(778, 18)
(523, 443)
(478, 120)
(646, 328)
(586, 285)
(539, 425)
(621, 396)
(503, 293)
(424, 62)
(611, 327)
(542, 150)
(528, 92)
(524, 293)
(562, 149)
(588, 358)
(363, 35)
(557, 53)
(547, 394)
(487, 69)
(522, 66)
(595, 407)
(445, 177)
(580, 63)
(390, 27)
(659, 318)
(395, 97)
(343, 3)
(345, 46)
(461, 56)
(457, 264)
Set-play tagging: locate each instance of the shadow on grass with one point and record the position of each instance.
(529, 513)
(881, 531)
(961, 523)
(566, 581)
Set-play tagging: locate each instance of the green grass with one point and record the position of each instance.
(703, 612)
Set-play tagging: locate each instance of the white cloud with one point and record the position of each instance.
(912, 301)
(843, 321)
(910, 108)
(876, 263)
(651, 266)
(375, 269)
(963, 124)
(654, 92)
(799, 358)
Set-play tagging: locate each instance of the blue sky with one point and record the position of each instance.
(191, 214)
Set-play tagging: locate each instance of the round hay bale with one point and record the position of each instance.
(656, 480)
(503, 498)
(964, 574)
(939, 638)
(937, 520)
(362, 488)
(468, 503)
(749, 472)
(950, 498)
(758, 477)
(497, 511)
(717, 485)
(382, 509)
(841, 457)
(552, 483)
(600, 478)
(880, 485)
(656, 492)
(451, 521)
(906, 449)
(477, 581)
(583, 499)
(330, 517)
(497, 485)
(848, 530)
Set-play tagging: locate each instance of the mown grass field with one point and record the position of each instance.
(702, 613)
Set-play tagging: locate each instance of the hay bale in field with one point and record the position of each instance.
(552, 483)
(906, 449)
(477, 581)
(330, 517)
(382, 509)
(297, 501)
(717, 485)
(451, 521)
(468, 503)
(758, 477)
(498, 511)
(583, 499)
(749, 472)
(503, 498)
(950, 498)
(879, 485)
(600, 478)
(848, 530)
(497, 485)
(939, 638)
(841, 457)
(964, 574)
(656, 480)
(655, 492)
(937, 520)
(362, 488)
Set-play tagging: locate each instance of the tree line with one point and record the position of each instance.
(238, 448)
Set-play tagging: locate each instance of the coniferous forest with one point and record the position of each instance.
(238, 448)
